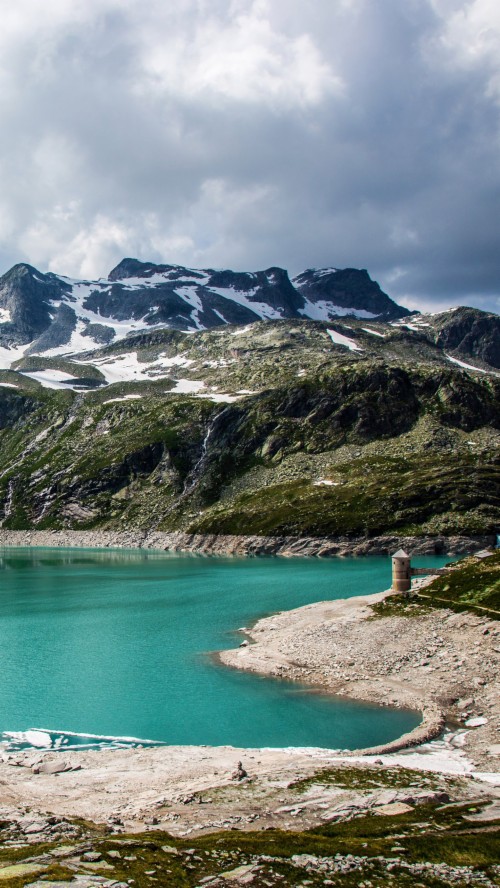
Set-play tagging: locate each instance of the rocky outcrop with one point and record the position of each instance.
(351, 290)
(470, 333)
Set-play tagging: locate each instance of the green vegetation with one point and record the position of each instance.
(382, 849)
(405, 442)
(370, 778)
(473, 585)
(368, 496)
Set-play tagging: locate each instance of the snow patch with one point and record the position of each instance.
(219, 398)
(5, 316)
(9, 355)
(339, 339)
(467, 366)
(265, 311)
(54, 379)
(8, 385)
(325, 311)
(324, 482)
(241, 330)
(373, 332)
(124, 368)
(186, 387)
(124, 398)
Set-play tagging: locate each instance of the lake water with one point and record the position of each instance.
(118, 644)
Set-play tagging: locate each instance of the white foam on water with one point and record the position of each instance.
(38, 738)
(46, 738)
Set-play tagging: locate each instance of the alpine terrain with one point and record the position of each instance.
(220, 402)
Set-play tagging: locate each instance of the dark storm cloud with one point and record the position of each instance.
(256, 132)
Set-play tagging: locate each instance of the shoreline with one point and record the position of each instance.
(251, 657)
(212, 544)
(413, 662)
(339, 647)
(433, 721)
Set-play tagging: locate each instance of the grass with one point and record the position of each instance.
(369, 778)
(426, 834)
(474, 584)
(411, 449)
(371, 496)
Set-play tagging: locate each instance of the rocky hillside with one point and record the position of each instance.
(286, 426)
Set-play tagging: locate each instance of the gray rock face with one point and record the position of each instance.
(349, 289)
(471, 333)
(58, 333)
(27, 295)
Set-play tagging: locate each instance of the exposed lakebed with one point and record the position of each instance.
(117, 644)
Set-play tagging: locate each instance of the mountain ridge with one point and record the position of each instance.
(112, 417)
(46, 311)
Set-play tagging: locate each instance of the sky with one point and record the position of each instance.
(250, 133)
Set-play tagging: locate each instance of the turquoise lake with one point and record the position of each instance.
(119, 644)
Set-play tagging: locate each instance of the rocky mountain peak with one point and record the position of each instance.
(134, 268)
(47, 311)
(348, 291)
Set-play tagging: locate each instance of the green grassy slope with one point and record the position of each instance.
(404, 440)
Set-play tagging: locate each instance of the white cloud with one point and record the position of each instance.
(470, 37)
(238, 55)
(255, 132)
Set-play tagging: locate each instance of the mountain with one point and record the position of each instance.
(344, 292)
(51, 314)
(349, 427)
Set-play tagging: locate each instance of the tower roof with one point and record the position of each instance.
(401, 554)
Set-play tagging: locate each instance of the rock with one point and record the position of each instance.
(32, 827)
(393, 809)
(91, 856)
(239, 773)
(54, 766)
(19, 870)
(465, 704)
(243, 875)
(476, 722)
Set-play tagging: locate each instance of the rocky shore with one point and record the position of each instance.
(212, 544)
(441, 663)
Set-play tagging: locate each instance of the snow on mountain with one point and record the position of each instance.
(53, 315)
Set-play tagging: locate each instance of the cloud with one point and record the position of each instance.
(249, 133)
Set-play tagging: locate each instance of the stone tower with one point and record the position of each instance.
(401, 571)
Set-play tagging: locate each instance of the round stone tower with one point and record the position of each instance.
(401, 571)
